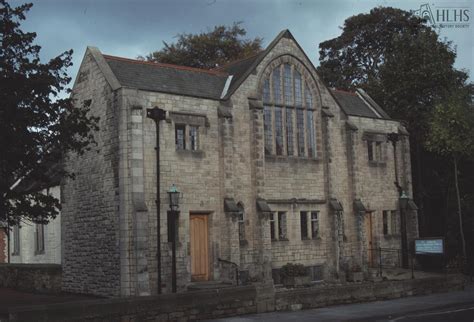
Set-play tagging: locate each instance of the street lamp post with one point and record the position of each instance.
(157, 114)
(403, 200)
(174, 196)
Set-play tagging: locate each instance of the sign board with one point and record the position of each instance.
(429, 246)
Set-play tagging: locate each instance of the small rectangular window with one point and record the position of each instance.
(370, 150)
(266, 91)
(267, 129)
(180, 136)
(314, 224)
(385, 222)
(378, 151)
(282, 225)
(394, 222)
(16, 240)
(288, 85)
(311, 134)
(193, 137)
(39, 238)
(241, 226)
(272, 226)
(375, 150)
(277, 85)
(278, 131)
(289, 131)
(298, 89)
(304, 225)
(300, 131)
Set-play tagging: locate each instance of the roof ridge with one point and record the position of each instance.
(238, 61)
(165, 65)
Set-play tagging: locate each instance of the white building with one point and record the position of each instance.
(32, 243)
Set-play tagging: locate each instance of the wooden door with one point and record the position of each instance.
(369, 238)
(199, 247)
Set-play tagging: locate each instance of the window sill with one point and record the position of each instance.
(377, 163)
(41, 252)
(315, 240)
(280, 240)
(191, 153)
(291, 159)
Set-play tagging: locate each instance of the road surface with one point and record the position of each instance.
(453, 306)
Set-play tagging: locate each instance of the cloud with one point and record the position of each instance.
(132, 28)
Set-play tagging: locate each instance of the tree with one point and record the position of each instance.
(396, 58)
(208, 50)
(452, 135)
(403, 65)
(354, 58)
(36, 126)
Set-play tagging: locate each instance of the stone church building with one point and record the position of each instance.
(273, 168)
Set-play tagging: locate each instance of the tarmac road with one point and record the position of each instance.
(453, 306)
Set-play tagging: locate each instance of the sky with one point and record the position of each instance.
(133, 28)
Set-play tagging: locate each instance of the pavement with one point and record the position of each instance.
(453, 306)
(10, 298)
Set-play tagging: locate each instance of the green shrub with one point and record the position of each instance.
(291, 270)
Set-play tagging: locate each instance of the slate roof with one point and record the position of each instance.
(167, 78)
(36, 182)
(240, 69)
(188, 81)
(353, 104)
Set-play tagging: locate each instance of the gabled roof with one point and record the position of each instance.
(36, 181)
(217, 84)
(358, 104)
(243, 68)
(167, 78)
(174, 79)
(240, 69)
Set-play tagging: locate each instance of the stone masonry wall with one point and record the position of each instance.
(113, 197)
(40, 278)
(375, 186)
(195, 173)
(90, 230)
(287, 178)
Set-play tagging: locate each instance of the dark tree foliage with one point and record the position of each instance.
(404, 66)
(207, 50)
(355, 57)
(397, 59)
(36, 126)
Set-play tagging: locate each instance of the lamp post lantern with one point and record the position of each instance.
(403, 201)
(174, 196)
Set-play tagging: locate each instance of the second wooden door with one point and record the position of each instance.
(199, 238)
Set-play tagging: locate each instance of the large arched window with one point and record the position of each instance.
(289, 121)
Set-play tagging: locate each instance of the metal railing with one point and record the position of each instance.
(385, 257)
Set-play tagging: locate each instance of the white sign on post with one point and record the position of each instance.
(429, 246)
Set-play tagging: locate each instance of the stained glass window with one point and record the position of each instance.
(278, 131)
(289, 131)
(288, 103)
(277, 85)
(267, 128)
(288, 89)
